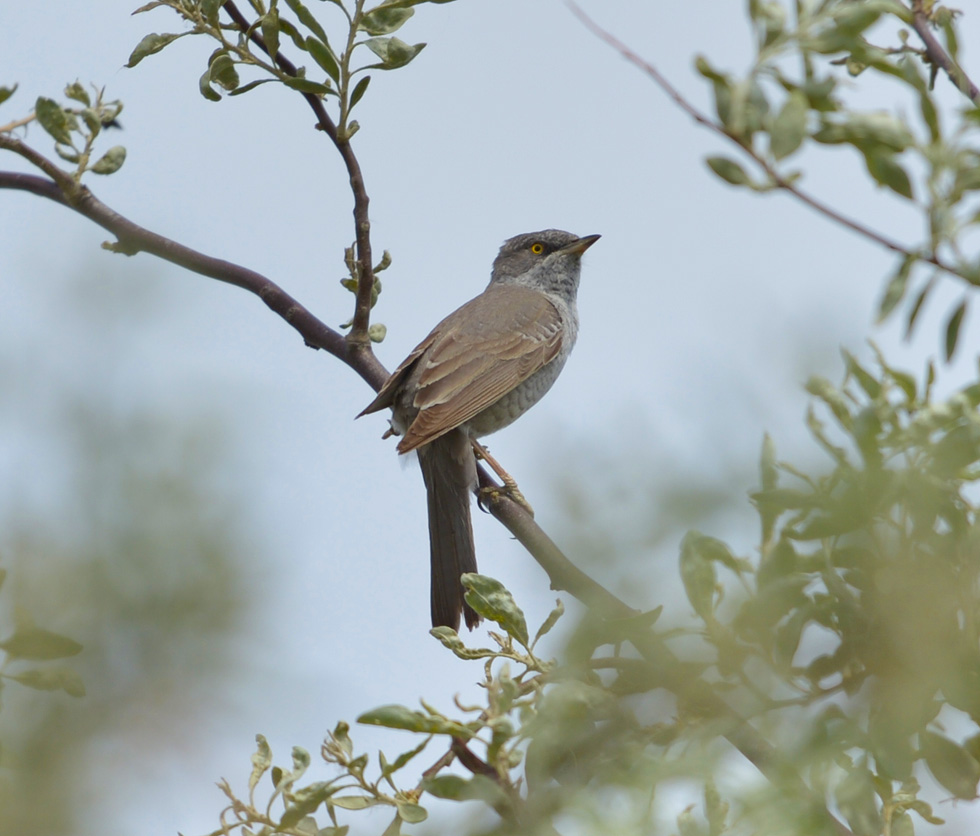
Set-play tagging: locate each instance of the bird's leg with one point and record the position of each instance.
(510, 486)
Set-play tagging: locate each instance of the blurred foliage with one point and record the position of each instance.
(845, 661)
(123, 543)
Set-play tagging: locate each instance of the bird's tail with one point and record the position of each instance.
(449, 471)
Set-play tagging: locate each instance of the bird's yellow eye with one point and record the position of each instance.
(537, 248)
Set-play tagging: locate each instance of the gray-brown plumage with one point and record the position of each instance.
(478, 370)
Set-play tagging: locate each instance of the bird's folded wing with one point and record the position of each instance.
(482, 351)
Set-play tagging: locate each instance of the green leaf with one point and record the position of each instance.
(412, 813)
(210, 9)
(789, 126)
(698, 574)
(491, 600)
(305, 801)
(7, 92)
(728, 170)
(918, 303)
(51, 679)
(269, 23)
(865, 379)
(457, 788)
(953, 329)
(304, 85)
(222, 71)
(550, 621)
(29, 642)
(393, 52)
(950, 764)
(204, 84)
(261, 761)
(151, 44)
(400, 717)
(897, 285)
(388, 769)
(359, 90)
(53, 119)
(323, 55)
(111, 161)
(384, 20)
(883, 166)
(307, 19)
(77, 92)
(251, 86)
(353, 802)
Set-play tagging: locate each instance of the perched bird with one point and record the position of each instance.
(479, 369)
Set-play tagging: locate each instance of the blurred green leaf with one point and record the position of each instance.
(886, 170)
(895, 290)
(789, 126)
(7, 92)
(728, 170)
(953, 330)
(34, 643)
(698, 574)
(400, 717)
(950, 764)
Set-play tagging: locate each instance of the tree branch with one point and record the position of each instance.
(358, 336)
(133, 238)
(775, 177)
(939, 57)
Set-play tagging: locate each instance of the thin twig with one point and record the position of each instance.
(939, 56)
(777, 179)
(358, 336)
(17, 123)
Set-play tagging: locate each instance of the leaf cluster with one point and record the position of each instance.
(29, 643)
(795, 95)
(258, 47)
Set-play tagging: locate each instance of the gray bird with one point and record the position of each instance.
(479, 369)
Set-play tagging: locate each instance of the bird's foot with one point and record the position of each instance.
(487, 495)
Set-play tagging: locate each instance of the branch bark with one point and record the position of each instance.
(939, 57)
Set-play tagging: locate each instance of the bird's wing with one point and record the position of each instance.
(510, 333)
(386, 394)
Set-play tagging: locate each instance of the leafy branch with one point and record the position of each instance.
(811, 110)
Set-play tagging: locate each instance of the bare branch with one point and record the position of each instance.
(939, 56)
(777, 179)
(133, 238)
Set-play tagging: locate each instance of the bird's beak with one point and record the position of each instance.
(581, 245)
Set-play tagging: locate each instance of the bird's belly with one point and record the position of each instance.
(516, 402)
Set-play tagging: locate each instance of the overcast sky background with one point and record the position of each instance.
(703, 310)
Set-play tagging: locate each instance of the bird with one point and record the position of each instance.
(476, 372)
